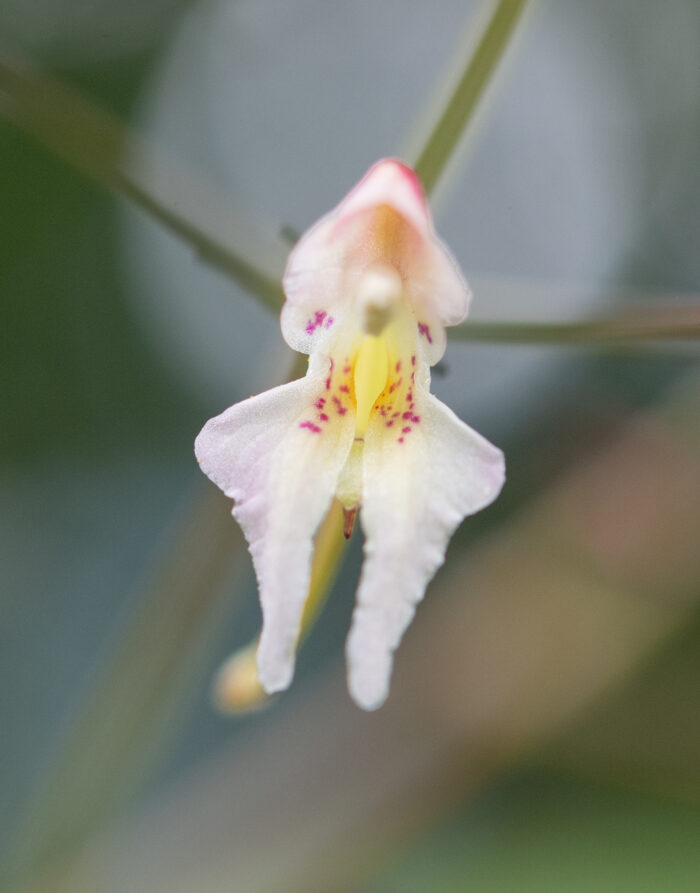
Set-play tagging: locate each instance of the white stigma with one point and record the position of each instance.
(378, 293)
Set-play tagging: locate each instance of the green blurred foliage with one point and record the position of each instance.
(539, 833)
(78, 378)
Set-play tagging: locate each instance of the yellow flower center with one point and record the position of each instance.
(370, 376)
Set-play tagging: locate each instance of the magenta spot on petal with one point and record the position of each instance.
(320, 403)
(342, 410)
(323, 417)
(317, 321)
(400, 440)
(407, 415)
(415, 419)
(344, 389)
(406, 430)
(398, 365)
(329, 322)
(424, 329)
(413, 360)
(389, 423)
(395, 415)
(311, 426)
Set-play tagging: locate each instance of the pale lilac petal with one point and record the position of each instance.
(416, 493)
(279, 461)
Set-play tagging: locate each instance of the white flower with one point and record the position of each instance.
(369, 291)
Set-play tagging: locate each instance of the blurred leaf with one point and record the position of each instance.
(646, 738)
(157, 657)
(104, 149)
(543, 834)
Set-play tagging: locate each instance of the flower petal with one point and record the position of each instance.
(443, 292)
(323, 269)
(279, 457)
(419, 483)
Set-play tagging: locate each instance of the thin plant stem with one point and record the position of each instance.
(681, 323)
(454, 111)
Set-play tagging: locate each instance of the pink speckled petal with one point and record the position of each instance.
(280, 462)
(416, 493)
(323, 269)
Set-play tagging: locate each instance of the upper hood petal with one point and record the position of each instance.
(323, 268)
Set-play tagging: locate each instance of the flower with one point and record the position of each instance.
(369, 290)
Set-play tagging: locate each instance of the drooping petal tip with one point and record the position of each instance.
(276, 657)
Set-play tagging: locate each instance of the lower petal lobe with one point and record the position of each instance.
(417, 488)
(279, 461)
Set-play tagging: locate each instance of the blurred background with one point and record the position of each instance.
(543, 731)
